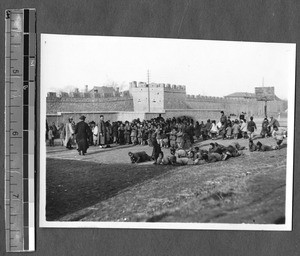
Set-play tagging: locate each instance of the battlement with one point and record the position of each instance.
(215, 99)
(85, 95)
(167, 87)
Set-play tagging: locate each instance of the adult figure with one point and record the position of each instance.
(108, 130)
(274, 122)
(69, 133)
(47, 130)
(102, 132)
(83, 134)
(54, 130)
(223, 120)
(197, 130)
(206, 130)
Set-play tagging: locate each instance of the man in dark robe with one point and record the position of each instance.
(102, 132)
(83, 134)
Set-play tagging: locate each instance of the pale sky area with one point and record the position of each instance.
(211, 68)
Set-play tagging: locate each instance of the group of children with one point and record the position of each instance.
(194, 156)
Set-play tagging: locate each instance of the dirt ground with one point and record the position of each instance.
(104, 186)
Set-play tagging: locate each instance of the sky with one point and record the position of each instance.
(210, 68)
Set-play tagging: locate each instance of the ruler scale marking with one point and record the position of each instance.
(20, 79)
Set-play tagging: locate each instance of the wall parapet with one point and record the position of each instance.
(167, 87)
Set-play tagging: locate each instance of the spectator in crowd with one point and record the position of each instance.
(54, 130)
(61, 133)
(121, 134)
(115, 132)
(95, 132)
(265, 129)
(236, 129)
(197, 129)
(102, 132)
(244, 130)
(214, 130)
(251, 127)
(228, 129)
(127, 132)
(273, 122)
(69, 133)
(51, 136)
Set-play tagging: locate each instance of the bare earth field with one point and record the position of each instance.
(104, 186)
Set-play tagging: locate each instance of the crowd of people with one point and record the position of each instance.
(176, 133)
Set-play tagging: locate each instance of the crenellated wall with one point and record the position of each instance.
(73, 104)
(164, 98)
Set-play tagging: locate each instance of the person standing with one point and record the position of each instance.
(83, 134)
(61, 133)
(236, 129)
(95, 132)
(223, 120)
(244, 129)
(197, 130)
(214, 130)
(273, 123)
(264, 128)
(251, 127)
(51, 136)
(102, 132)
(69, 133)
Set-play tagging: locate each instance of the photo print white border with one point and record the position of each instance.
(158, 225)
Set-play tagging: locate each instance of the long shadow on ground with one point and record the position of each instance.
(73, 185)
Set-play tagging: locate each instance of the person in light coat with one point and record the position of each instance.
(69, 134)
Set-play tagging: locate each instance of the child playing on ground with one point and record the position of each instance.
(262, 147)
(278, 135)
(252, 146)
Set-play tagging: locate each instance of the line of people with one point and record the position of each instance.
(170, 133)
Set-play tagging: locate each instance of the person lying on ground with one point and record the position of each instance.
(262, 147)
(212, 157)
(180, 153)
(252, 146)
(216, 148)
(238, 146)
(139, 157)
(231, 151)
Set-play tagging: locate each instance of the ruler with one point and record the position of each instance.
(20, 86)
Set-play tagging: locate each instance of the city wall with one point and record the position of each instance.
(169, 100)
(251, 107)
(78, 104)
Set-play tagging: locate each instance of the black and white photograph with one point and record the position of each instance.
(166, 133)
